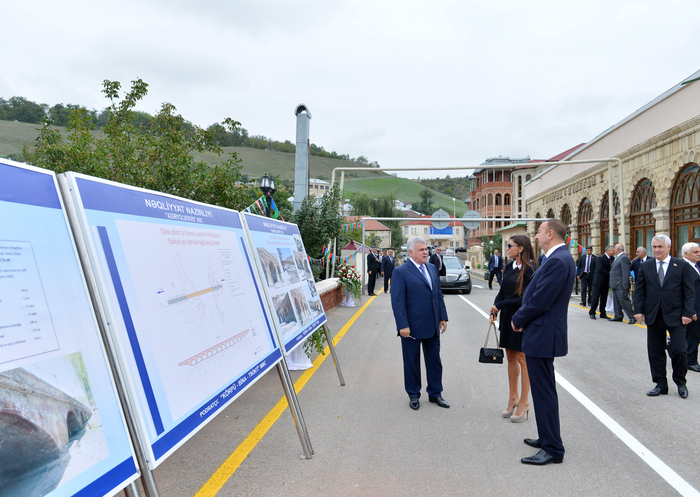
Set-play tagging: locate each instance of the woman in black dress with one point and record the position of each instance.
(516, 277)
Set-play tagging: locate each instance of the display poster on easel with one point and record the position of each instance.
(177, 281)
(285, 268)
(62, 431)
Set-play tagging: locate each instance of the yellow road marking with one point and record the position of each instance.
(229, 467)
(598, 312)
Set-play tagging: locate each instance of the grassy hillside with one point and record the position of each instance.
(408, 191)
(14, 135)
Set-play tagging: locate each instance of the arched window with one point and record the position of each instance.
(685, 207)
(550, 214)
(506, 199)
(528, 177)
(604, 225)
(585, 214)
(490, 199)
(642, 221)
(498, 199)
(566, 216)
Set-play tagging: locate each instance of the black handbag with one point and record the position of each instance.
(491, 356)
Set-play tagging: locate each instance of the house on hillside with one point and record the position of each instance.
(375, 228)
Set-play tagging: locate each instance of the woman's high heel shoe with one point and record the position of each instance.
(521, 418)
(509, 412)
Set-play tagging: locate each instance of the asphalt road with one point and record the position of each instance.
(367, 441)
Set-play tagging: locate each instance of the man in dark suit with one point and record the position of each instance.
(436, 260)
(665, 296)
(620, 285)
(387, 268)
(601, 281)
(543, 321)
(641, 257)
(421, 317)
(691, 255)
(584, 274)
(495, 267)
(372, 270)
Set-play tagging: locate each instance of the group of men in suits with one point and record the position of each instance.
(665, 296)
(379, 264)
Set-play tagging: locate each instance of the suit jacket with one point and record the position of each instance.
(634, 265)
(696, 279)
(415, 304)
(387, 265)
(436, 260)
(581, 265)
(676, 298)
(545, 306)
(620, 272)
(372, 263)
(602, 270)
(492, 262)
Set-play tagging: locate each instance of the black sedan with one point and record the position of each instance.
(457, 277)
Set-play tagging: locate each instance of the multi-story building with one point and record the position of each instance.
(453, 237)
(318, 187)
(492, 195)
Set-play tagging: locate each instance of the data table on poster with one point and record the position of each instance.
(286, 273)
(51, 348)
(178, 281)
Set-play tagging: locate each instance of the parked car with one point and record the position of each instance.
(460, 249)
(449, 252)
(457, 278)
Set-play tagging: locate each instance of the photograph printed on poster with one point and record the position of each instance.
(272, 268)
(301, 306)
(285, 313)
(50, 429)
(299, 243)
(316, 307)
(288, 267)
(303, 266)
(312, 288)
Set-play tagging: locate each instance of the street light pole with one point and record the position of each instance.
(454, 215)
(268, 187)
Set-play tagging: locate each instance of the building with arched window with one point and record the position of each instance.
(659, 146)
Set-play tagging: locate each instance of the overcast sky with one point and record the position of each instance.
(405, 83)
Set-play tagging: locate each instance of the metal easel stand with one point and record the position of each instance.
(294, 408)
(329, 339)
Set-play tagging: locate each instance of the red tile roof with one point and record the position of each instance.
(370, 225)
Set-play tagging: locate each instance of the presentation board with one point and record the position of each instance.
(62, 431)
(286, 272)
(178, 285)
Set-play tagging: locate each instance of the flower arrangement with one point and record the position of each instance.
(349, 277)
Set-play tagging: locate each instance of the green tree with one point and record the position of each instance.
(153, 153)
(320, 221)
(489, 247)
(384, 206)
(426, 201)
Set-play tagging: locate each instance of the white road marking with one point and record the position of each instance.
(661, 468)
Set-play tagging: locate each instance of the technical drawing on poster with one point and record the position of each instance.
(26, 327)
(190, 292)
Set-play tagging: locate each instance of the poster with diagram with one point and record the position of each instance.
(62, 431)
(284, 265)
(177, 280)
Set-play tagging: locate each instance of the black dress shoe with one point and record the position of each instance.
(657, 390)
(415, 404)
(592, 316)
(694, 367)
(683, 391)
(439, 401)
(582, 303)
(605, 316)
(533, 442)
(616, 320)
(541, 458)
(632, 321)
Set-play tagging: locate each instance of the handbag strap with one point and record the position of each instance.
(488, 333)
